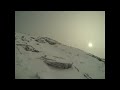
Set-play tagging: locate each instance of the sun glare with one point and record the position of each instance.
(90, 45)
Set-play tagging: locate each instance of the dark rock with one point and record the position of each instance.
(87, 76)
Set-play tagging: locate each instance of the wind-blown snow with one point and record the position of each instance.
(29, 63)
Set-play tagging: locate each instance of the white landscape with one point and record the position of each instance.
(45, 58)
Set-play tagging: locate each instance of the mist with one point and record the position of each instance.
(80, 29)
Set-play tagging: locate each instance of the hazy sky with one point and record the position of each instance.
(81, 29)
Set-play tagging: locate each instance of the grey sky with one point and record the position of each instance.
(73, 28)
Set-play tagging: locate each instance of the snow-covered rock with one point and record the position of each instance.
(45, 58)
(46, 39)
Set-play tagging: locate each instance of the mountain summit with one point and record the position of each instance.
(45, 58)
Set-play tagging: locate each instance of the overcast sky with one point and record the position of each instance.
(81, 29)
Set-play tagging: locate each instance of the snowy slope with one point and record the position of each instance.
(31, 52)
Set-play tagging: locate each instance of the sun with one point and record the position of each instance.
(90, 45)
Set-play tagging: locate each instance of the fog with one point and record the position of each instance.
(81, 29)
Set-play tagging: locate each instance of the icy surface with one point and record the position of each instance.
(31, 53)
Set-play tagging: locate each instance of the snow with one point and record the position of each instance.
(30, 65)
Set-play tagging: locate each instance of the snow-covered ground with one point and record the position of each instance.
(29, 63)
